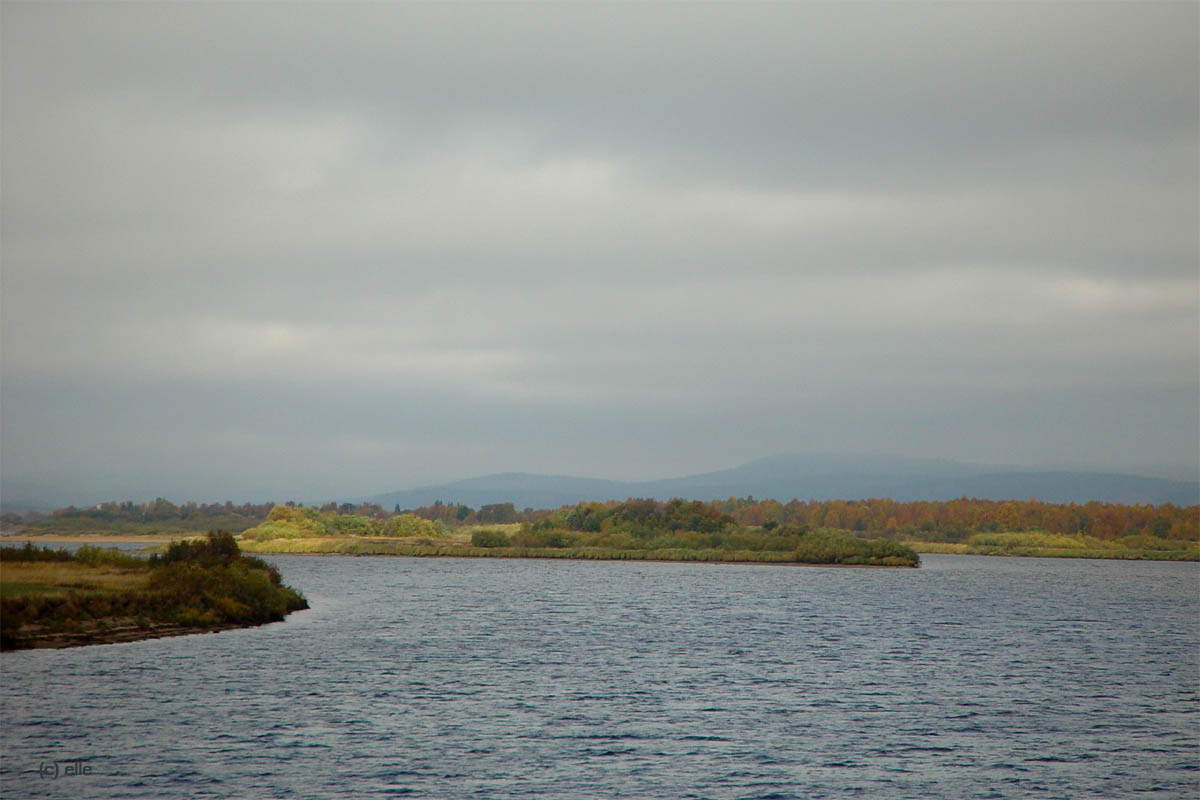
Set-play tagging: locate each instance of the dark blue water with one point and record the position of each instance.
(442, 678)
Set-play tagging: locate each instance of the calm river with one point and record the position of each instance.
(971, 677)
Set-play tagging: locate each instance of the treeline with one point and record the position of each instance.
(957, 520)
(641, 517)
(634, 529)
(165, 515)
(942, 521)
(453, 514)
(645, 525)
(304, 522)
(291, 521)
(161, 510)
(156, 516)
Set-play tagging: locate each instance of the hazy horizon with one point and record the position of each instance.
(259, 251)
(1183, 473)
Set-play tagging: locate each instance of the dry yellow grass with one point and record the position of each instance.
(950, 548)
(56, 577)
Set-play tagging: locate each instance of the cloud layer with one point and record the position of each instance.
(318, 250)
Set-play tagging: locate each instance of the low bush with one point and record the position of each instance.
(275, 530)
(551, 537)
(405, 525)
(108, 556)
(490, 538)
(31, 553)
(1011, 541)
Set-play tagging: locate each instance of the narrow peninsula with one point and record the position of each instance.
(53, 598)
(635, 530)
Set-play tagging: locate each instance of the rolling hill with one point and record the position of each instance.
(808, 477)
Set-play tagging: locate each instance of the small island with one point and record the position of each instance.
(53, 598)
(635, 530)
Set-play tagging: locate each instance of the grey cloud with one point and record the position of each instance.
(430, 241)
(789, 92)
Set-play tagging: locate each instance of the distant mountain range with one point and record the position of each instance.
(807, 477)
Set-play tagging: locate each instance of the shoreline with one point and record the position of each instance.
(50, 599)
(126, 631)
(713, 562)
(414, 551)
(163, 538)
(350, 546)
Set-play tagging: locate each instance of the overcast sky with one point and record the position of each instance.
(310, 251)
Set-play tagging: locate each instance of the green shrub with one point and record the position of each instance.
(544, 538)
(31, 553)
(109, 556)
(1011, 541)
(412, 525)
(825, 546)
(490, 538)
(352, 525)
(276, 530)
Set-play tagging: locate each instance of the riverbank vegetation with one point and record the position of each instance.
(678, 530)
(958, 520)
(129, 518)
(53, 598)
(841, 555)
(1051, 545)
(300, 522)
(1093, 530)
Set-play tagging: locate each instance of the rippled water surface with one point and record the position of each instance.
(968, 678)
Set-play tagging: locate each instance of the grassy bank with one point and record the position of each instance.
(827, 549)
(52, 598)
(1050, 545)
(641, 530)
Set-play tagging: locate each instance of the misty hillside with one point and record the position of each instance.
(813, 478)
